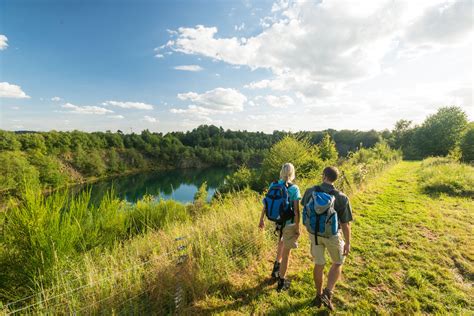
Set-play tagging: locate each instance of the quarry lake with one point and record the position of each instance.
(179, 185)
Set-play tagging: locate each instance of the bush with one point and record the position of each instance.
(239, 180)
(51, 170)
(15, 170)
(443, 175)
(300, 153)
(467, 144)
(89, 163)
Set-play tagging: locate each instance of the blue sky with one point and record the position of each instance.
(173, 65)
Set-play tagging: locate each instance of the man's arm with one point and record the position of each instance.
(296, 208)
(346, 231)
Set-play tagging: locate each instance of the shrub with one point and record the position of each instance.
(89, 163)
(51, 170)
(443, 175)
(467, 144)
(239, 180)
(15, 170)
(300, 153)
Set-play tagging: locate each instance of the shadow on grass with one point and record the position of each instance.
(245, 297)
(435, 191)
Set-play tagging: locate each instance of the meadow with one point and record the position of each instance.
(411, 253)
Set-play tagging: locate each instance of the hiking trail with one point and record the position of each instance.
(411, 252)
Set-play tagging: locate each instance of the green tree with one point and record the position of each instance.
(32, 141)
(327, 149)
(441, 132)
(15, 170)
(51, 171)
(300, 153)
(467, 144)
(8, 141)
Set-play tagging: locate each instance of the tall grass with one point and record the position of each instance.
(77, 257)
(443, 175)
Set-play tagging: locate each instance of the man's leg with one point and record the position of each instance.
(284, 262)
(318, 278)
(334, 275)
(279, 251)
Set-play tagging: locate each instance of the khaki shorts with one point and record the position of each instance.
(335, 246)
(290, 237)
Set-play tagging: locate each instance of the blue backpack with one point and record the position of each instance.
(277, 203)
(319, 215)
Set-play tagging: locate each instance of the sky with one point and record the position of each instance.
(243, 65)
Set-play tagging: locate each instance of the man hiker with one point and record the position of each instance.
(326, 212)
(281, 205)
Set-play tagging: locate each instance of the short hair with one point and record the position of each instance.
(287, 172)
(331, 173)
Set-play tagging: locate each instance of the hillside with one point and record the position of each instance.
(411, 253)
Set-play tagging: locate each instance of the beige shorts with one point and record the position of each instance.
(290, 237)
(334, 245)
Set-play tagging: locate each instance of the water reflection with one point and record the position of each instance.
(180, 185)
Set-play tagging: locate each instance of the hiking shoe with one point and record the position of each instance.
(317, 302)
(276, 270)
(326, 298)
(283, 285)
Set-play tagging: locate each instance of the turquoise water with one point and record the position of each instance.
(179, 185)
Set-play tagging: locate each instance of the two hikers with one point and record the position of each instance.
(326, 213)
(281, 205)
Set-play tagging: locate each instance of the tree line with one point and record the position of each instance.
(57, 158)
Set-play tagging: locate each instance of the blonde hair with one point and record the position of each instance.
(287, 172)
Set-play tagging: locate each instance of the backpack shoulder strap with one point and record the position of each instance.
(317, 188)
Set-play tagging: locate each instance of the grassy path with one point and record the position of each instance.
(411, 253)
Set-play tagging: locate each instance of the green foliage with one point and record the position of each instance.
(201, 195)
(327, 150)
(8, 141)
(444, 175)
(149, 214)
(366, 163)
(43, 233)
(89, 163)
(51, 171)
(15, 170)
(300, 153)
(467, 144)
(241, 179)
(440, 132)
(32, 141)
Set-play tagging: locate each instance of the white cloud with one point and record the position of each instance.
(56, 99)
(219, 100)
(3, 42)
(193, 68)
(316, 47)
(283, 101)
(239, 27)
(150, 119)
(86, 109)
(280, 5)
(8, 90)
(444, 23)
(118, 117)
(129, 105)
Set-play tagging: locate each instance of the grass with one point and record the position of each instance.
(411, 253)
(442, 175)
